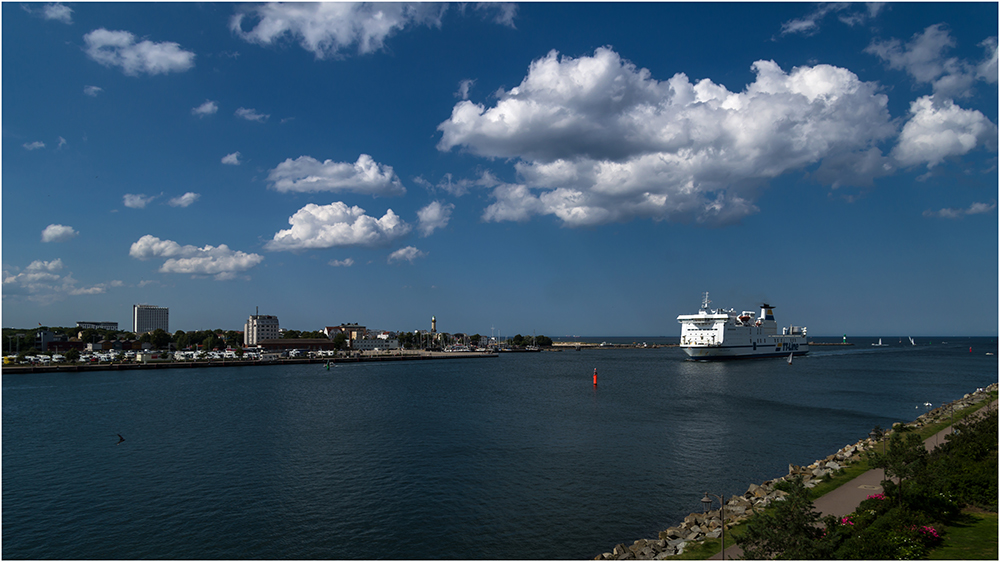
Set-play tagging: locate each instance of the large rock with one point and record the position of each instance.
(671, 533)
(739, 501)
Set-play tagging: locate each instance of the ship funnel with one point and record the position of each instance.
(766, 312)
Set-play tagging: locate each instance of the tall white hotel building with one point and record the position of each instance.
(260, 327)
(147, 318)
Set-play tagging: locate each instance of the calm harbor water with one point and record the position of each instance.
(518, 457)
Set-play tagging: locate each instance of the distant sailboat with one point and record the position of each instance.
(880, 344)
(790, 358)
(911, 341)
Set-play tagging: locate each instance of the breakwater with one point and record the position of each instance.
(697, 527)
(89, 367)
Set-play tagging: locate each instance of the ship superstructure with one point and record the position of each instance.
(726, 334)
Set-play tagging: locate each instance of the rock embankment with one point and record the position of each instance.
(697, 527)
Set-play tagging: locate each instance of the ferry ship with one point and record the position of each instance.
(726, 334)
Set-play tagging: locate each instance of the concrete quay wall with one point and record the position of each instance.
(697, 527)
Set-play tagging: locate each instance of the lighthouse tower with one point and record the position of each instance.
(434, 324)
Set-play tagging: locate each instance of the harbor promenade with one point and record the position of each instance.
(845, 499)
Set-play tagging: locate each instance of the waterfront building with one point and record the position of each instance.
(352, 331)
(260, 327)
(372, 344)
(149, 318)
(97, 326)
(44, 337)
(302, 344)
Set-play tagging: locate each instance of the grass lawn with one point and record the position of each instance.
(975, 538)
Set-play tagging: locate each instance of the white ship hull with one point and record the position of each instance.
(797, 346)
(724, 334)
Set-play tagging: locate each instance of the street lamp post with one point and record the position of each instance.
(706, 503)
(878, 433)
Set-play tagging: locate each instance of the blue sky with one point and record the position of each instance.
(557, 168)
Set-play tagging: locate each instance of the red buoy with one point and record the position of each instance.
(595, 376)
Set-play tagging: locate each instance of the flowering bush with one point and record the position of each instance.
(929, 534)
(878, 496)
(846, 520)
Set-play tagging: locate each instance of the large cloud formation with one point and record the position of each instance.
(331, 29)
(327, 29)
(605, 142)
(336, 224)
(218, 261)
(118, 48)
(309, 175)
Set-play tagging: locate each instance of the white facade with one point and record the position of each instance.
(382, 344)
(148, 318)
(260, 327)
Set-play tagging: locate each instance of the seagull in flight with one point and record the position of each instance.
(120, 439)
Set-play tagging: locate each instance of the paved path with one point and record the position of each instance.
(845, 499)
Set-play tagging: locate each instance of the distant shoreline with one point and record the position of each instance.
(89, 367)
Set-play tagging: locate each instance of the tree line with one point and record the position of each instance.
(23, 340)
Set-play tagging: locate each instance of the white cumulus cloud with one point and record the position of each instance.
(850, 14)
(218, 261)
(207, 108)
(938, 131)
(924, 58)
(329, 29)
(33, 145)
(974, 209)
(58, 12)
(47, 266)
(184, 200)
(408, 253)
(336, 224)
(58, 233)
(342, 263)
(306, 174)
(137, 200)
(252, 115)
(92, 91)
(463, 89)
(596, 139)
(987, 68)
(433, 216)
(232, 159)
(43, 282)
(119, 49)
